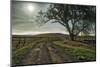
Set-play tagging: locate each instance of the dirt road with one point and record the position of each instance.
(45, 53)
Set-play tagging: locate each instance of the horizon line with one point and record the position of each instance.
(48, 33)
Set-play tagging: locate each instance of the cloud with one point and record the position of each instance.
(23, 20)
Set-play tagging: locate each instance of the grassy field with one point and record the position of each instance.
(50, 49)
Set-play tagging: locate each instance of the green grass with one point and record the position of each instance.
(79, 53)
(82, 54)
(75, 44)
(20, 54)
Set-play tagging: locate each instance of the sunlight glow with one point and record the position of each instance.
(30, 8)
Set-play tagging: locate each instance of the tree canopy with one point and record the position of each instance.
(74, 18)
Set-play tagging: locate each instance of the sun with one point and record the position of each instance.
(30, 7)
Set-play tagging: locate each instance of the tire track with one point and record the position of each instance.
(60, 53)
(44, 55)
(32, 55)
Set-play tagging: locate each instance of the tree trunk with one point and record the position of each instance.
(72, 37)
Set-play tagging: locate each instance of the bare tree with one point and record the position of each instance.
(74, 18)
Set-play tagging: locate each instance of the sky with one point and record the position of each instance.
(23, 13)
(23, 16)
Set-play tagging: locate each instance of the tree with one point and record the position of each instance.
(74, 18)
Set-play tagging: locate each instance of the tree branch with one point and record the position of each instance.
(81, 29)
(59, 22)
